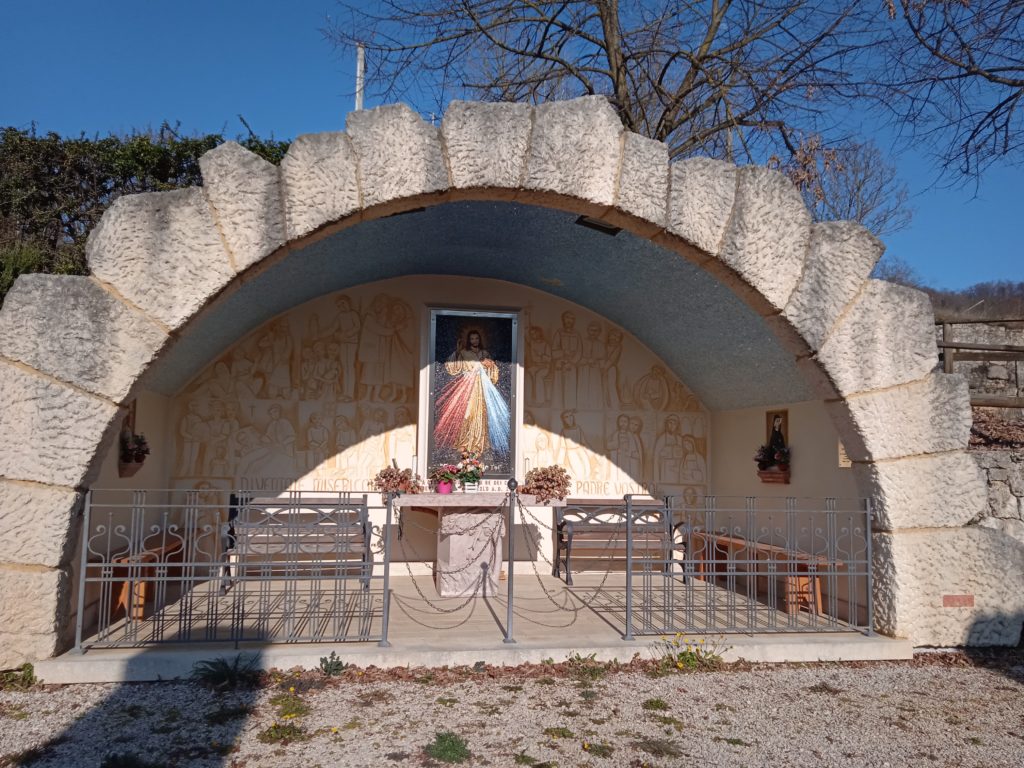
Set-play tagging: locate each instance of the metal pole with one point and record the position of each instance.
(870, 569)
(360, 75)
(80, 618)
(629, 568)
(512, 485)
(387, 575)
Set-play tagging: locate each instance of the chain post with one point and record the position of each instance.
(512, 485)
(386, 599)
(868, 532)
(629, 568)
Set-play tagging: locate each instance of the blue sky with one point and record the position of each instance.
(116, 65)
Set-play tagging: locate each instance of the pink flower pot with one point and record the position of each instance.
(443, 486)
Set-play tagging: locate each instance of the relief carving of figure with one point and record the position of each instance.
(652, 390)
(669, 454)
(376, 349)
(591, 378)
(695, 468)
(193, 432)
(538, 367)
(626, 451)
(279, 436)
(573, 454)
(346, 334)
(317, 437)
(610, 368)
(566, 352)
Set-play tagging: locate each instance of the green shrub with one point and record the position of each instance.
(221, 674)
(448, 747)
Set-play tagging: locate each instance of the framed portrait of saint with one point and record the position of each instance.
(473, 387)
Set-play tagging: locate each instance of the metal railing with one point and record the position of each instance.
(727, 564)
(207, 565)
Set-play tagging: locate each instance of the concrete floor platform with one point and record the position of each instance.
(551, 621)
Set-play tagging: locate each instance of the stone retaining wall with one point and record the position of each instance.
(1004, 471)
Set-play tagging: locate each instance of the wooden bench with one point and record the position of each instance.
(801, 581)
(299, 537)
(595, 532)
(138, 570)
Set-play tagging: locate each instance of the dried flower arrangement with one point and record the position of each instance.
(395, 480)
(547, 483)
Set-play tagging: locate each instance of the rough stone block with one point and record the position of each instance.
(244, 191)
(486, 144)
(768, 234)
(35, 600)
(50, 430)
(934, 415)
(840, 258)
(575, 149)
(320, 178)
(36, 523)
(72, 329)
(701, 196)
(643, 181)
(943, 490)
(16, 649)
(886, 338)
(1008, 527)
(918, 569)
(161, 251)
(399, 154)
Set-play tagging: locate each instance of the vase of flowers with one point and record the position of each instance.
(444, 476)
(132, 455)
(469, 471)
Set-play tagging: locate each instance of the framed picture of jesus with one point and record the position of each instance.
(472, 388)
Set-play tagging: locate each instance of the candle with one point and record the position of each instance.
(415, 465)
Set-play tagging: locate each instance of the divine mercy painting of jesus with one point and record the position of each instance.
(472, 388)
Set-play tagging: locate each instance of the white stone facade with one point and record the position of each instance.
(158, 259)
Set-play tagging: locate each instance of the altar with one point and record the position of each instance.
(470, 531)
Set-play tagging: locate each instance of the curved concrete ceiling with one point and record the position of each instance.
(719, 347)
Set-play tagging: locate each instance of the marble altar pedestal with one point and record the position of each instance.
(470, 530)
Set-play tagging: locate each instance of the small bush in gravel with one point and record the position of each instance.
(20, 679)
(598, 750)
(657, 747)
(559, 732)
(448, 747)
(282, 733)
(332, 666)
(655, 705)
(222, 675)
(680, 654)
(586, 667)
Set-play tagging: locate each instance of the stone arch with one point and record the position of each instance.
(73, 349)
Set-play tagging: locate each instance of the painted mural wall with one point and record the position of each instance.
(325, 395)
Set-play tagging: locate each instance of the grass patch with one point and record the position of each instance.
(586, 668)
(589, 694)
(448, 747)
(223, 675)
(447, 701)
(559, 732)
(546, 680)
(20, 679)
(669, 721)
(13, 712)
(657, 747)
(289, 706)
(824, 687)
(282, 733)
(733, 741)
(655, 705)
(598, 750)
(512, 688)
(225, 715)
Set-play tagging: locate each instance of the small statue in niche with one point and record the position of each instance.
(775, 453)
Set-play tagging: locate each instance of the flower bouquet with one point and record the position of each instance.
(547, 483)
(133, 452)
(767, 457)
(444, 476)
(395, 480)
(469, 471)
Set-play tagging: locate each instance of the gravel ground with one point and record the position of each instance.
(940, 710)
